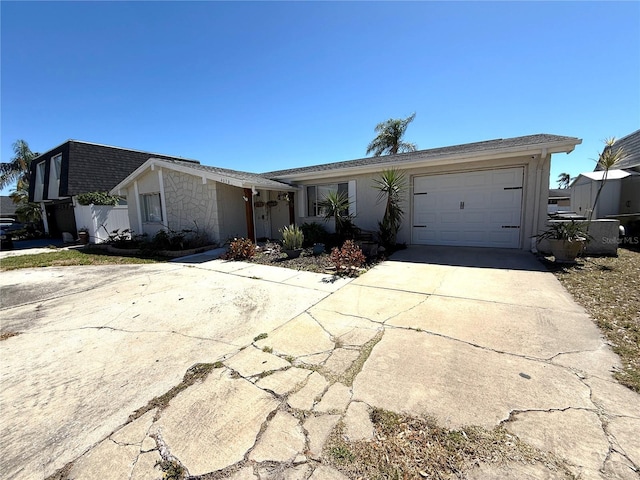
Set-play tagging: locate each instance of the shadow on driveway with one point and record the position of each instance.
(498, 258)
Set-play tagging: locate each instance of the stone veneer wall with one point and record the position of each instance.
(188, 199)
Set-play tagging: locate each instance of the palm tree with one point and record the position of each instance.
(389, 139)
(609, 159)
(563, 180)
(336, 205)
(17, 170)
(391, 187)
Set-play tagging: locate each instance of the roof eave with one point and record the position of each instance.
(152, 163)
(452, 159)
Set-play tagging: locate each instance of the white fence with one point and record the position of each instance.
(93, 217)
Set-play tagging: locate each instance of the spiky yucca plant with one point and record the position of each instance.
(391, 187)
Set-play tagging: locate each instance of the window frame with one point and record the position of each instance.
(146, 211)
(313, 199)
(41, 171)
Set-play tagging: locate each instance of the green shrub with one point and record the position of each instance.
(292, 237)
(348, 258)
(240, 249)
(174, 240)
(313, 233)
(98, 198)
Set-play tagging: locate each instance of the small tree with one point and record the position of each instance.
(563, 180)
(609, 159)
(391, 187)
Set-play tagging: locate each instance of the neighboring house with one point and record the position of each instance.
(488, 194)
(620, 197)
(7, 207)
(77, 167)
(559, 200)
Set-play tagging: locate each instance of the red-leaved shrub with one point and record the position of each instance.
(347, 259)
(240, 249)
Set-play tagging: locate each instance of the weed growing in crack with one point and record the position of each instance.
(5, 335)
(262, 336)
(172, 470)
(62, 474)
(349, 376)
(197, 372)
(290, 359)
(267, 349)
(266, 373)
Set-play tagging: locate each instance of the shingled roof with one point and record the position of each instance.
(7, 207)
(95, 167)
(522, 143)
(245, 178)
(630, 145)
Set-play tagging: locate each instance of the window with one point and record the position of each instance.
(54, 176)
(317, 193)
(39, 190)
(151, 208)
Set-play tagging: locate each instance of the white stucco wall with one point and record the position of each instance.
(231, 207)
(369, 211)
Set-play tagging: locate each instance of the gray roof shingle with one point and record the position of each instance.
(7, 207)
(631, 148)
(94, 167)
(249, 178)
(468, 148)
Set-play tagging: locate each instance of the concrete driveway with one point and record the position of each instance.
(469, 336)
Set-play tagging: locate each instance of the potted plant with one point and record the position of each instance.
(566, 239)
(292, 239)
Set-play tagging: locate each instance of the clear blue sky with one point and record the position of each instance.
(271, 85)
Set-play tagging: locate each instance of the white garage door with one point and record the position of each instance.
(481, 209)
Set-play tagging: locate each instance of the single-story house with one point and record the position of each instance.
(488, 194)
(620, 196)
(559, 200)
(59, 175)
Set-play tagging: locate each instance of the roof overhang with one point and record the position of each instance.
(429, 160)
(599, 175)
(155, 163)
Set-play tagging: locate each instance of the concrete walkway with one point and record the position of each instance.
(468, 336)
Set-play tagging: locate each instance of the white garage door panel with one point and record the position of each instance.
(468, 209)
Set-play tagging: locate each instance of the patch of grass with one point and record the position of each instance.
(63, 258)
(409, 447)
(342, 453)
(196, 373)
(609, 289)
(5, 335)
(172, 470)
(290, 359)
(262, 336)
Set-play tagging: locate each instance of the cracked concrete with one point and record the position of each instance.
(468, 336)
